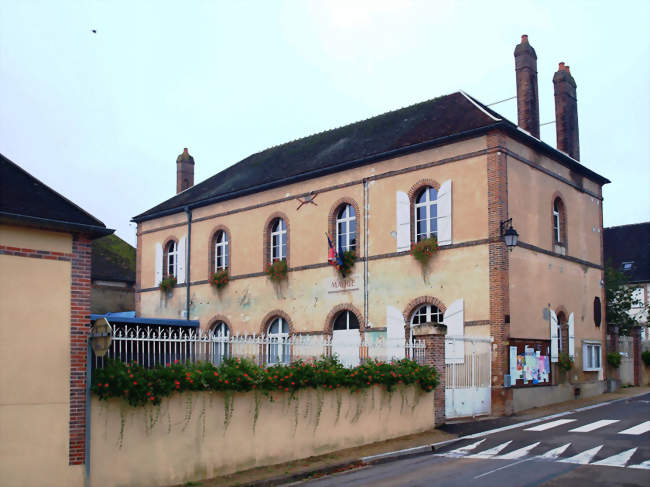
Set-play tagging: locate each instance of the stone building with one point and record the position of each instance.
(450, 168)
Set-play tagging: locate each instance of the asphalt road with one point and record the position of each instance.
(607, 445)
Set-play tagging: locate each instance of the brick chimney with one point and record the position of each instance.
(527, 96)
(184, 171)
(566, 112)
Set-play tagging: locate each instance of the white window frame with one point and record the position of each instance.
(427, 204)
(347, 313)
(344, 219)
(279, 235)
(171, 260)
(591, 349)
(279, 351)
(427, 312)
(556, 222)
(220, 346)
(221, 251)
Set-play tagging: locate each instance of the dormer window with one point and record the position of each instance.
(627, 266)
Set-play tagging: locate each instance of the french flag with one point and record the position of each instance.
(331, 253)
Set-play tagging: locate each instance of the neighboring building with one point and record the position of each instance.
(113, 276)
(45, 243)
(627, 248)
(449, 167)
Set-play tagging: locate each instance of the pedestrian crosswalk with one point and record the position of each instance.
(586, 428)
(576, 451)
(621, 459)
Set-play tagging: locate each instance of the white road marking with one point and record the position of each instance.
(555, 452)
(548, 426)
(644, 465)
(617, 460)
(517, 454)
(459, 452)
(639, 429)
(501, 468)
(582, 458)
(594, 426)
(491, 452)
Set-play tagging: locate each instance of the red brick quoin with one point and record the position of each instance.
(79, 330)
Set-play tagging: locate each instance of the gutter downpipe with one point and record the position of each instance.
(87, 443)
(365, 251)
(188, 211)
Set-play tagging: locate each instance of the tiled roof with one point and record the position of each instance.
(26, 200)
(433, 122)
(629, 243)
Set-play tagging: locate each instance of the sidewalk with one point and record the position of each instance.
(313, 467)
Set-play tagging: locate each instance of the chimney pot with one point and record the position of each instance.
(184, 171)
(566, 112)
(527, 93)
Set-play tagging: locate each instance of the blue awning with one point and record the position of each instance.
(117, 319)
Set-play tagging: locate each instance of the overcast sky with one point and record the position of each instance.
(101, 117)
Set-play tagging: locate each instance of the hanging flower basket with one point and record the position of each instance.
(219, 279)
(167, 283)
(424, 250)
(348, 259)
(565, 362)
(277, 271)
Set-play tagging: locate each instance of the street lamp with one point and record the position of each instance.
(509, 234)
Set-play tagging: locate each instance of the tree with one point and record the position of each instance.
(619, 297)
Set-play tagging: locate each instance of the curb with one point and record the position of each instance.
(298, 476)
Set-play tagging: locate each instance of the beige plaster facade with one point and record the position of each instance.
(186, 438)
(35, 361)
(538, 273)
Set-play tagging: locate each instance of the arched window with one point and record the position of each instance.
(426, 214)
(346, 228)
(278, 350)
(427, 313)
(278, 240)
(170, 266)
(346, 320)
(559, 222)
(220, 342)
(562, 331)
(220, 251)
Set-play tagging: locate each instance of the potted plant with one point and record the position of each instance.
(277, 271)
(219, 279)
(167, 283)
(348, 259)
(423, 250)
(565, 362)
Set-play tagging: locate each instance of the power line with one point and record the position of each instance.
(546, 123)
(501, 101)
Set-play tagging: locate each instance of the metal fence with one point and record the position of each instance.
(152, 346)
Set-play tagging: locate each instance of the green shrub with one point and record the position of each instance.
(614, 359)
(645, 356)
(565, 362)
(138, 385)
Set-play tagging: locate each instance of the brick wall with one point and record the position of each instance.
(498, 273)
(435, 355)
(79, 330)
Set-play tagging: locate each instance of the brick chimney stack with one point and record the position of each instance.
(527, 95)
(566, 112)
(184, 171)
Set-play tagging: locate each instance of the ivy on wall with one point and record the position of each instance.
(138, 385)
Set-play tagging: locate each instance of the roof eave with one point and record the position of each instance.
(92, 231)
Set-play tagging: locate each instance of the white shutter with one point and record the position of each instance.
(454, 319)
(554, 343)
(572, 344)
(444, 213)
(394, 333)
(158, 265)
(403, 212)
(181, 257)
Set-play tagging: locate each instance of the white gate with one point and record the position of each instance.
(626, 349)
(468, 369)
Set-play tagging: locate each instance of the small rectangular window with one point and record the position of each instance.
(591, 356)
(627, 265)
